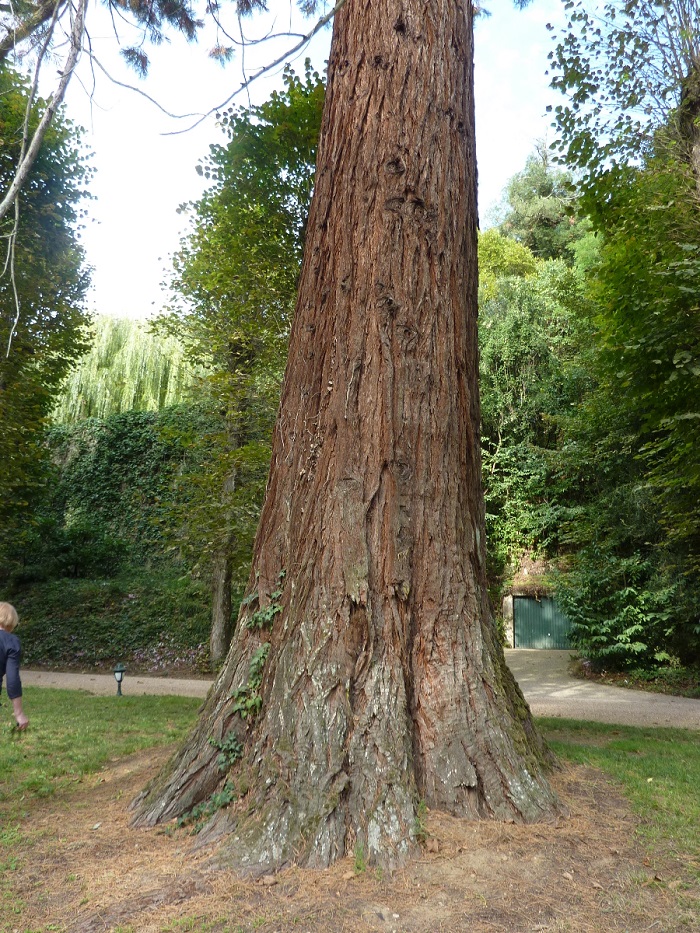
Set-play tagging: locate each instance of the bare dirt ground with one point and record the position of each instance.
(82, 869)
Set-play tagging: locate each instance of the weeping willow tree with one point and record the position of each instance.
(127, 369)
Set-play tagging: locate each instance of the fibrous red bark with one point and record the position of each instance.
(384, 682)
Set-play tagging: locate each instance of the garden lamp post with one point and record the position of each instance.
(119, 676)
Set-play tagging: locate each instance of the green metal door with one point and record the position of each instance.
(539, 623)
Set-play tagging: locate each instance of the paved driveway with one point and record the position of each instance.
(550, 691)
(542, 675)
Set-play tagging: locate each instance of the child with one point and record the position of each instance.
(10, 654)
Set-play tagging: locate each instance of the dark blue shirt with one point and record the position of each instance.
(10, 656)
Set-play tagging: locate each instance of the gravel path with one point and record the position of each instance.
(542, 675)
(105, 684)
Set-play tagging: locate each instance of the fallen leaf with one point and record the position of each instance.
(596, 885)
(348, 876)
(97, 825)
(432, 845)
(568, 876)
(269, 880)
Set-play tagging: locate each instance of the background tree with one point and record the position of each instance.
(125, 369)
(632, 589)
(634, 442)
(631, 72)
(45, 277)
(235, 280)
(502, 257)
(532, 371)
(380, 680)
(539, 208)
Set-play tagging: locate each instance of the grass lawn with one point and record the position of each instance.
(71, 734)
(74, 733)
(658, 770)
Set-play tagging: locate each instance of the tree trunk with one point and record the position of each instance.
(221, 629)
(384, 682)
(222, 573)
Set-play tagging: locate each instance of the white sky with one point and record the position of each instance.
(143, 175)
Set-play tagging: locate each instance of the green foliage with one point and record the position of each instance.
(109, 478)
(50, 281)
(123, 472)
(178, 486)
(647, 288)
(237, 270)
(126, 369)
(231, 750)
(201, 812)
(630, 73)
(360, 863)
(621, 609)
(590, 383)
(247, 699)
(153, 622)
(673, 681)
(628, 477)
(632, 454)
(85, 547)
(235, 277)
(501, 257)
(530, 338)
(264, 616)
(540, 209)
(94, 573)
(419, 827)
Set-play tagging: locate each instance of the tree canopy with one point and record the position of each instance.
(42, 289)
(127, 368)
(234, 283)
(624, 480)
(539, 208)
(631, 72)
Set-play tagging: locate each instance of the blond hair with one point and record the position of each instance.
(8, 617)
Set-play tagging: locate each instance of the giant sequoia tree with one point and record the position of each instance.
(365, 673)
